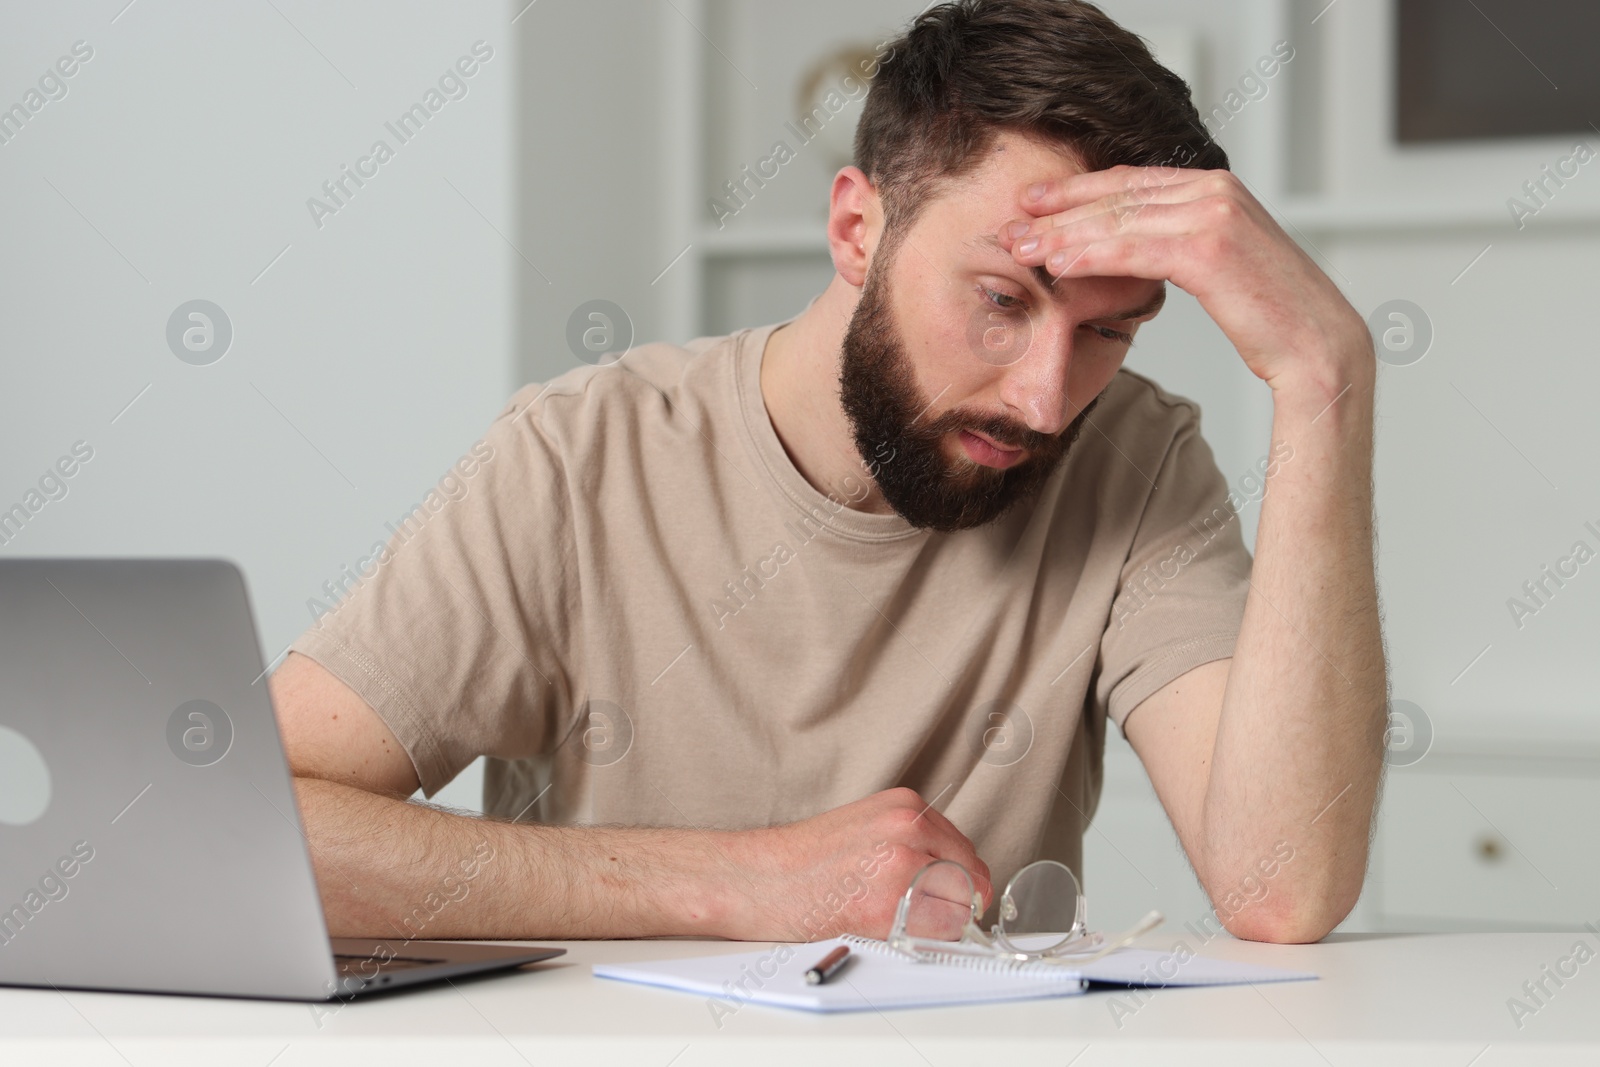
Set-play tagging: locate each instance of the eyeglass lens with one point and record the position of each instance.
(939, 903)
(1041, 900)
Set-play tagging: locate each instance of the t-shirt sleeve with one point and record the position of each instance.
(454, 633)
(1183, 586)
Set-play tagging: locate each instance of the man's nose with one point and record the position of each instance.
(1036, 385)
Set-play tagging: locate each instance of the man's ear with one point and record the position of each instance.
(855, 222)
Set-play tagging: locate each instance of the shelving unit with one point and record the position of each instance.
(1131, 851)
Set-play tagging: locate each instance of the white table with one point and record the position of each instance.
(1416, 1000)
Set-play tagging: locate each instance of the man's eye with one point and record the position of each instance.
(1004, 301)
(1112, 335)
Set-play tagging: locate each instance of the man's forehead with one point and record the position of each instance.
(1015, 162)
(991, 194)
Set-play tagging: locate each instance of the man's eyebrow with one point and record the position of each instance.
(1149, 307)
(988, 241)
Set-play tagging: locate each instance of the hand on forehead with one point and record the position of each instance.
(1024, 187)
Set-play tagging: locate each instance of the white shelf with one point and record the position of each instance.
(1309, 214)
(1358, 216)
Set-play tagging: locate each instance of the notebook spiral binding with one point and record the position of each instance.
(992, 964)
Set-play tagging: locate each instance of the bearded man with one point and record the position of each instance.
(753, 628)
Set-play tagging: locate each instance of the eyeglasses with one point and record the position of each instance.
(1043, 918)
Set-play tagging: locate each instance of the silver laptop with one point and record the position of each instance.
(149, 835)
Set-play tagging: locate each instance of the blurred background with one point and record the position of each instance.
(258, 336)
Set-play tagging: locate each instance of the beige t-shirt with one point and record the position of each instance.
(629, 598)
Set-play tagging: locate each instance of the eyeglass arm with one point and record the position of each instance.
(1151, 920)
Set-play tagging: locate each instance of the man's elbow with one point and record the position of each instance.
(1292, 917)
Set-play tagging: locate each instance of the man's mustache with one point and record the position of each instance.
(1005, 431)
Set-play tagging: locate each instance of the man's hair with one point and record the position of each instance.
(1059, 70)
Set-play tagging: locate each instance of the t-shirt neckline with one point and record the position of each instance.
(834, 513)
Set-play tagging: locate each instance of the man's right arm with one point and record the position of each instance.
(389, 867)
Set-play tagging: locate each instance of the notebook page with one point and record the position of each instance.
(1145, 967)
(878, 977)
(873, 980)
(1125, 966)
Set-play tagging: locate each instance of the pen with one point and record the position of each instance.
(828, 966)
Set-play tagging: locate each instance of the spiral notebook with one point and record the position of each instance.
(878, 977)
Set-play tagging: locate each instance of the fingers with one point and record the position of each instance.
(1063, 194)
(936, 918)
(985, 884)
(944, 841)
(1181, 219)
(1086, 229)
(1122, 206)
(1136, 201)
(848, 869)
(1157, 257)
(939, 905)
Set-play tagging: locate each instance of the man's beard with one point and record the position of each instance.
(878, 391)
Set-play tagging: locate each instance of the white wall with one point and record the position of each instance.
(178, 165)
(590, 145)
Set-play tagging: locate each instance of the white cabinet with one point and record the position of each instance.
(1464, 842)
(1503, 844)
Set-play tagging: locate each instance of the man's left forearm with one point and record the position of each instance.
(1298, 754)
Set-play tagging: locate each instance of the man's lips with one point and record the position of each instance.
(990, 453)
